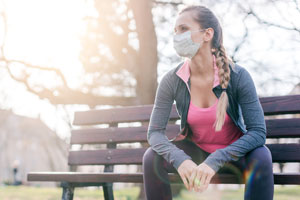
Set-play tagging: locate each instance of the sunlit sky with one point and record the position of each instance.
(43, 33)
(46, 33)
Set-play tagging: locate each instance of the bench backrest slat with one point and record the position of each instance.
(118, 135)
(112, 156)
(289, 104)
(271, 105)
(117, 115)
(276, 128)
(283, 128)
(285, 152)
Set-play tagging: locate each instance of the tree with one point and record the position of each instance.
(108, 59)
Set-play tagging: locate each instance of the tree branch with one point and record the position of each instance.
(243, 40)
(168, 3)
(297, 5)
(57, 71)
(260, 20)
(68, 96)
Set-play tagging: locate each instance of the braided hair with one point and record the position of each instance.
(207, 19)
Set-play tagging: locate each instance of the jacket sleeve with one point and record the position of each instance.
(159, 118)
(253, 116)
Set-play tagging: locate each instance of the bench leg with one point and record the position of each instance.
(108, 191)
(68, 193)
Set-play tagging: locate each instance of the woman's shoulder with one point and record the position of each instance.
(171, 73)
(241, 79)
(174, 69)
(237, 70)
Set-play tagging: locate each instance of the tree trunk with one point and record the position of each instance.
(146, 69)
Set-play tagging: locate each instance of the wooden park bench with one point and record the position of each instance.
(112, 135)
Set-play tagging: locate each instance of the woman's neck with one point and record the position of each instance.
(202, 65)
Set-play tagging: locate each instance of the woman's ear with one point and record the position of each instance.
(209, 34)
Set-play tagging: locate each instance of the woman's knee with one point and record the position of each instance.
(151, 159)
(148, 156)
(260, 157)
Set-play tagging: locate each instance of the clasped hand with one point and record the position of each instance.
(195, 176)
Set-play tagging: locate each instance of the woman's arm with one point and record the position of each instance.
(253, 116)
(158, 121)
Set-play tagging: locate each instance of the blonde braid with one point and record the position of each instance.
(222, 63)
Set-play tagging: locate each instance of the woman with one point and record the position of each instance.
(222, 121)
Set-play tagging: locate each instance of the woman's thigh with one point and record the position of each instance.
(259, 157)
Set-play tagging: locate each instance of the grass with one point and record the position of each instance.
(281, 193)
(40, 193)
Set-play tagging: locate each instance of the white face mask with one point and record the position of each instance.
(184, 45)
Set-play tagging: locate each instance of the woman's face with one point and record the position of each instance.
(185, 22)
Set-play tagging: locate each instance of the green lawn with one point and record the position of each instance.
(36, 193)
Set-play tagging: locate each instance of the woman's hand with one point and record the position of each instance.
(185, 170)
(201, 176)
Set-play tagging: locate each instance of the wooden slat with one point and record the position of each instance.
(285, 152)
(288, 104)
(283, 128)
(78, 177)
(118, 135)
(287, 178)
(280, 153)
(276, 128)
(113, 177)
(113, 115)
(113, 156)
(75, 177)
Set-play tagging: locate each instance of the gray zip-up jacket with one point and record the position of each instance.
(244, 109)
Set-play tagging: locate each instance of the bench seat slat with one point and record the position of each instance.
(280, 153)
(77, 177)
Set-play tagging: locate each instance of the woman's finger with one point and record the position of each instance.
(197, 180)
(184, 179)
(208, 179)
(203, 182)
(192, 177)
(203, 179)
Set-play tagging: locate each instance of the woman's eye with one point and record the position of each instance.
(181, 29)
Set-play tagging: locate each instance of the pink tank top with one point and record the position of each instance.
(201, 122)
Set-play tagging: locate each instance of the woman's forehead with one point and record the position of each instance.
(185, 18)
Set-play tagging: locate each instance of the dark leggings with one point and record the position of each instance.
(256, 166)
